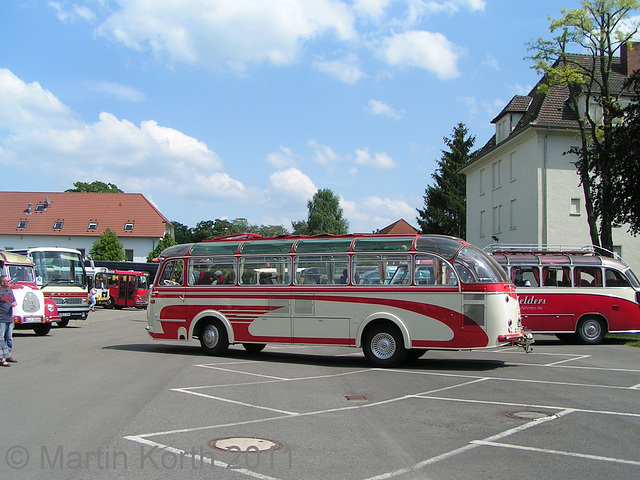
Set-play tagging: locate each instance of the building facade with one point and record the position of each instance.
(77, 220)
(523, 186)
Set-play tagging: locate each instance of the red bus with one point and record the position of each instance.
(574, 293)
(431, 292)
(128, 288)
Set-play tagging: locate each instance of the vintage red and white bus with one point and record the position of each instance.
(33, 310)
(127, 288)
(443, 294)
(575, 293)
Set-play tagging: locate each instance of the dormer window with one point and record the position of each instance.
(40, 207)
(58, 225)
(22, 224)
(128, 226)
(92, 226)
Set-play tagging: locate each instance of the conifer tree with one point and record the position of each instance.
(445, 206)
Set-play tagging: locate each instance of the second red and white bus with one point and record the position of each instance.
(436, 292)
(574, 293)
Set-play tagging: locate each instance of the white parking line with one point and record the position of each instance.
(470, 446)
(556, 452)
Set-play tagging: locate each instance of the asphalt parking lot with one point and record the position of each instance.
(291, 412)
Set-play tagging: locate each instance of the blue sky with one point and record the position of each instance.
(244, 108)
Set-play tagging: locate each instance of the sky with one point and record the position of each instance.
(225, 109)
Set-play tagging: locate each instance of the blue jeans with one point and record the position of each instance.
(6, 333)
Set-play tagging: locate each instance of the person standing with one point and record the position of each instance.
(7, 302)
(92, 298)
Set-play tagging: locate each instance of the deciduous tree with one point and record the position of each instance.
(107, 247)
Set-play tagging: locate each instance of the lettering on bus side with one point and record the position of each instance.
(531, 300)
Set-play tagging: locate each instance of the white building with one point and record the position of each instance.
(523, 188)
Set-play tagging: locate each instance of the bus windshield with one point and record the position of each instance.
(59, 268)
(473, 266)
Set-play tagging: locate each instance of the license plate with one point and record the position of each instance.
(65, 314)
(33, 320)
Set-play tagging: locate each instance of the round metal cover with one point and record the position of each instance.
(526, 414)
(244, 444)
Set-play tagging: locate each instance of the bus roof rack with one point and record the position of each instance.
(546, 249)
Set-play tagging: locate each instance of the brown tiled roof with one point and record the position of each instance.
(551, 109)
(76, 210)
(400, 227)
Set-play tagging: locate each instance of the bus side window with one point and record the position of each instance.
(525, 276)
(614, 278)
(556, 277)
(587, 277)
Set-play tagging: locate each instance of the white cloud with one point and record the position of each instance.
(380, 108)
(491, 62)
(376, 211)
(148, 157)
(281, 159)
(323, 154)
(293, 183)
(121, 92)
(345, 69)
(24, 106)
(374, 9)
(72, 14)
(421, 49)
(228, 33)
(381, 160)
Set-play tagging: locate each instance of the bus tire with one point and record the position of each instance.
(254, 347)
(383, 345)
(42, 330)
(213, 338)
(111, 303)
(591, 331)
(63, 323)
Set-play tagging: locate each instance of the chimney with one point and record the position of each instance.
(630, 57)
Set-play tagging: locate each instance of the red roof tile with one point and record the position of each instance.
(76, 210)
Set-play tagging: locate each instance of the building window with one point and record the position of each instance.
(497, 212)
(495, 170)
(512, 171)
(40, 207)
(57, 225)
(482, 181)
(512, 215)
(92, 226)
(575, 207)
(22, 224)
(128, 226)
(128, 255)
(482, 220)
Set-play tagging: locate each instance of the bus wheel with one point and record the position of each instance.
(591, 331)
(63, 323)
(111, 303)
(254, 347)
(213, 339)
(384, 346)
(42, 330)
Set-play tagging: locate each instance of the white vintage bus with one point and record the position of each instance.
(574, 293)
(443, 294)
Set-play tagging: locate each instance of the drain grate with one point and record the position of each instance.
(356, 398)
(244, 444)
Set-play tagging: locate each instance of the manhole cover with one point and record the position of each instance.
(244, 444)
(527, 414)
